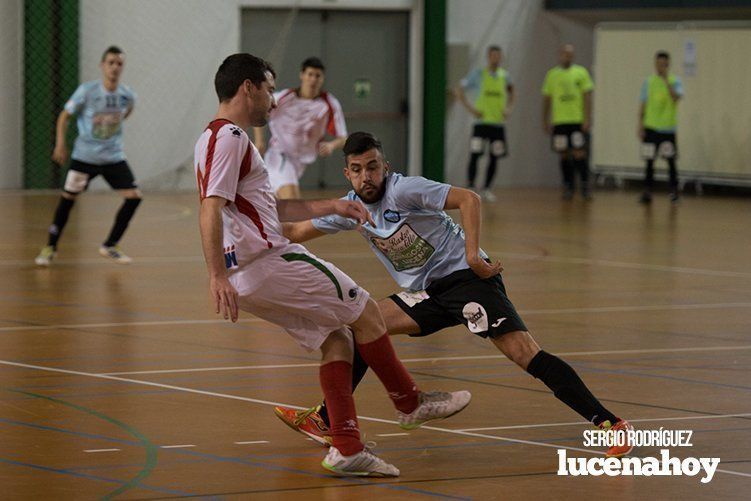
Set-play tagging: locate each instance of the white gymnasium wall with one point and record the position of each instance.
(173, 48)
(11, 92)
(530, 38)
(713, 117)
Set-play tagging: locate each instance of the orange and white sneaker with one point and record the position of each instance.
(308, 422)
(617, 451)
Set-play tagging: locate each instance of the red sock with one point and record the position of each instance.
(381, 357)
(336, 381)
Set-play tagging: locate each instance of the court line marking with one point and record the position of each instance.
(275, 404)
(183, 446)
(544, 311)
(439, 359)
(574, 423)
(101, 450)
(126, 324)
(391, 434)
(253, 442)
(502, 255)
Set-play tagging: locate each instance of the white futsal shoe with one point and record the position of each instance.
(114, 253)
(362, 464)
(46, 256)
(434, 405)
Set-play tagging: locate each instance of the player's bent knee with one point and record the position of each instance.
(132, 193)
(369, 326)
(338, 346)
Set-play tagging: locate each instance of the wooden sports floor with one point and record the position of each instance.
(120, 382)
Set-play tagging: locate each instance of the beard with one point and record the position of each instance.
(371, 194)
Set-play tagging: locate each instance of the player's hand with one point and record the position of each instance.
(353, 210)
(585, 125)
(547, 128)
(483, 269)
(60, 155)
(325, 149)
(477, 113)
(224, 296)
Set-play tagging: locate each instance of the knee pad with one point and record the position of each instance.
(476, 145)
(666, 149)
(497, 148)
(75, 181)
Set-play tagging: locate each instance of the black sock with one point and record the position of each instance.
(61, 219)
(491, 171)
(121, 221)
(568, 387)
(473, 168)
(567, 170)
(359, 368)
(582, 167)
(649, 175)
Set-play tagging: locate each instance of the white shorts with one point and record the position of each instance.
(307, 296)
(282, 168)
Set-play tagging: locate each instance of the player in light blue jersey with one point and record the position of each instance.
(100, 106)
(447, 278)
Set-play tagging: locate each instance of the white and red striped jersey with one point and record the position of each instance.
(298, 125)
(229, 166)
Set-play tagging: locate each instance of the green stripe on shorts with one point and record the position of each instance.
(294, 256)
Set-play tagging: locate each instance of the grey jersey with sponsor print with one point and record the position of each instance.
(414, 238)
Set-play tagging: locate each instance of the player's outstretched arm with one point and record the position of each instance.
(470, 208)
(299, 210)
(301, 232)
(60, 154)
(223, 294)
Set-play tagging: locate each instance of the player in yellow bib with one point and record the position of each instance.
(492, 106)
(658, 119)
(567, 93)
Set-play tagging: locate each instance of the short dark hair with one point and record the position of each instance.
(237, 68)
(112, 49)
(492, 48)
(662, 54)
(312, 62)
(360, 142)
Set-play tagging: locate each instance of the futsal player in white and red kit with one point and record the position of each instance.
(253, 267)
(299, 124)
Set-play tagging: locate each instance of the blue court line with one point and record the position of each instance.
(94, 477)
(242, 461)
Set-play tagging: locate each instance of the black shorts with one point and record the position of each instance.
(658, 144)
(118, 176)
(495, 135)
(567, 137)
(462, 298)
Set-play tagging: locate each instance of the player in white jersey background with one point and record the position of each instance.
(253, 267)
(100, 106)
(299, 124)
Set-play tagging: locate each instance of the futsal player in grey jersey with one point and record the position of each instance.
(100, 106)
(447, 278)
